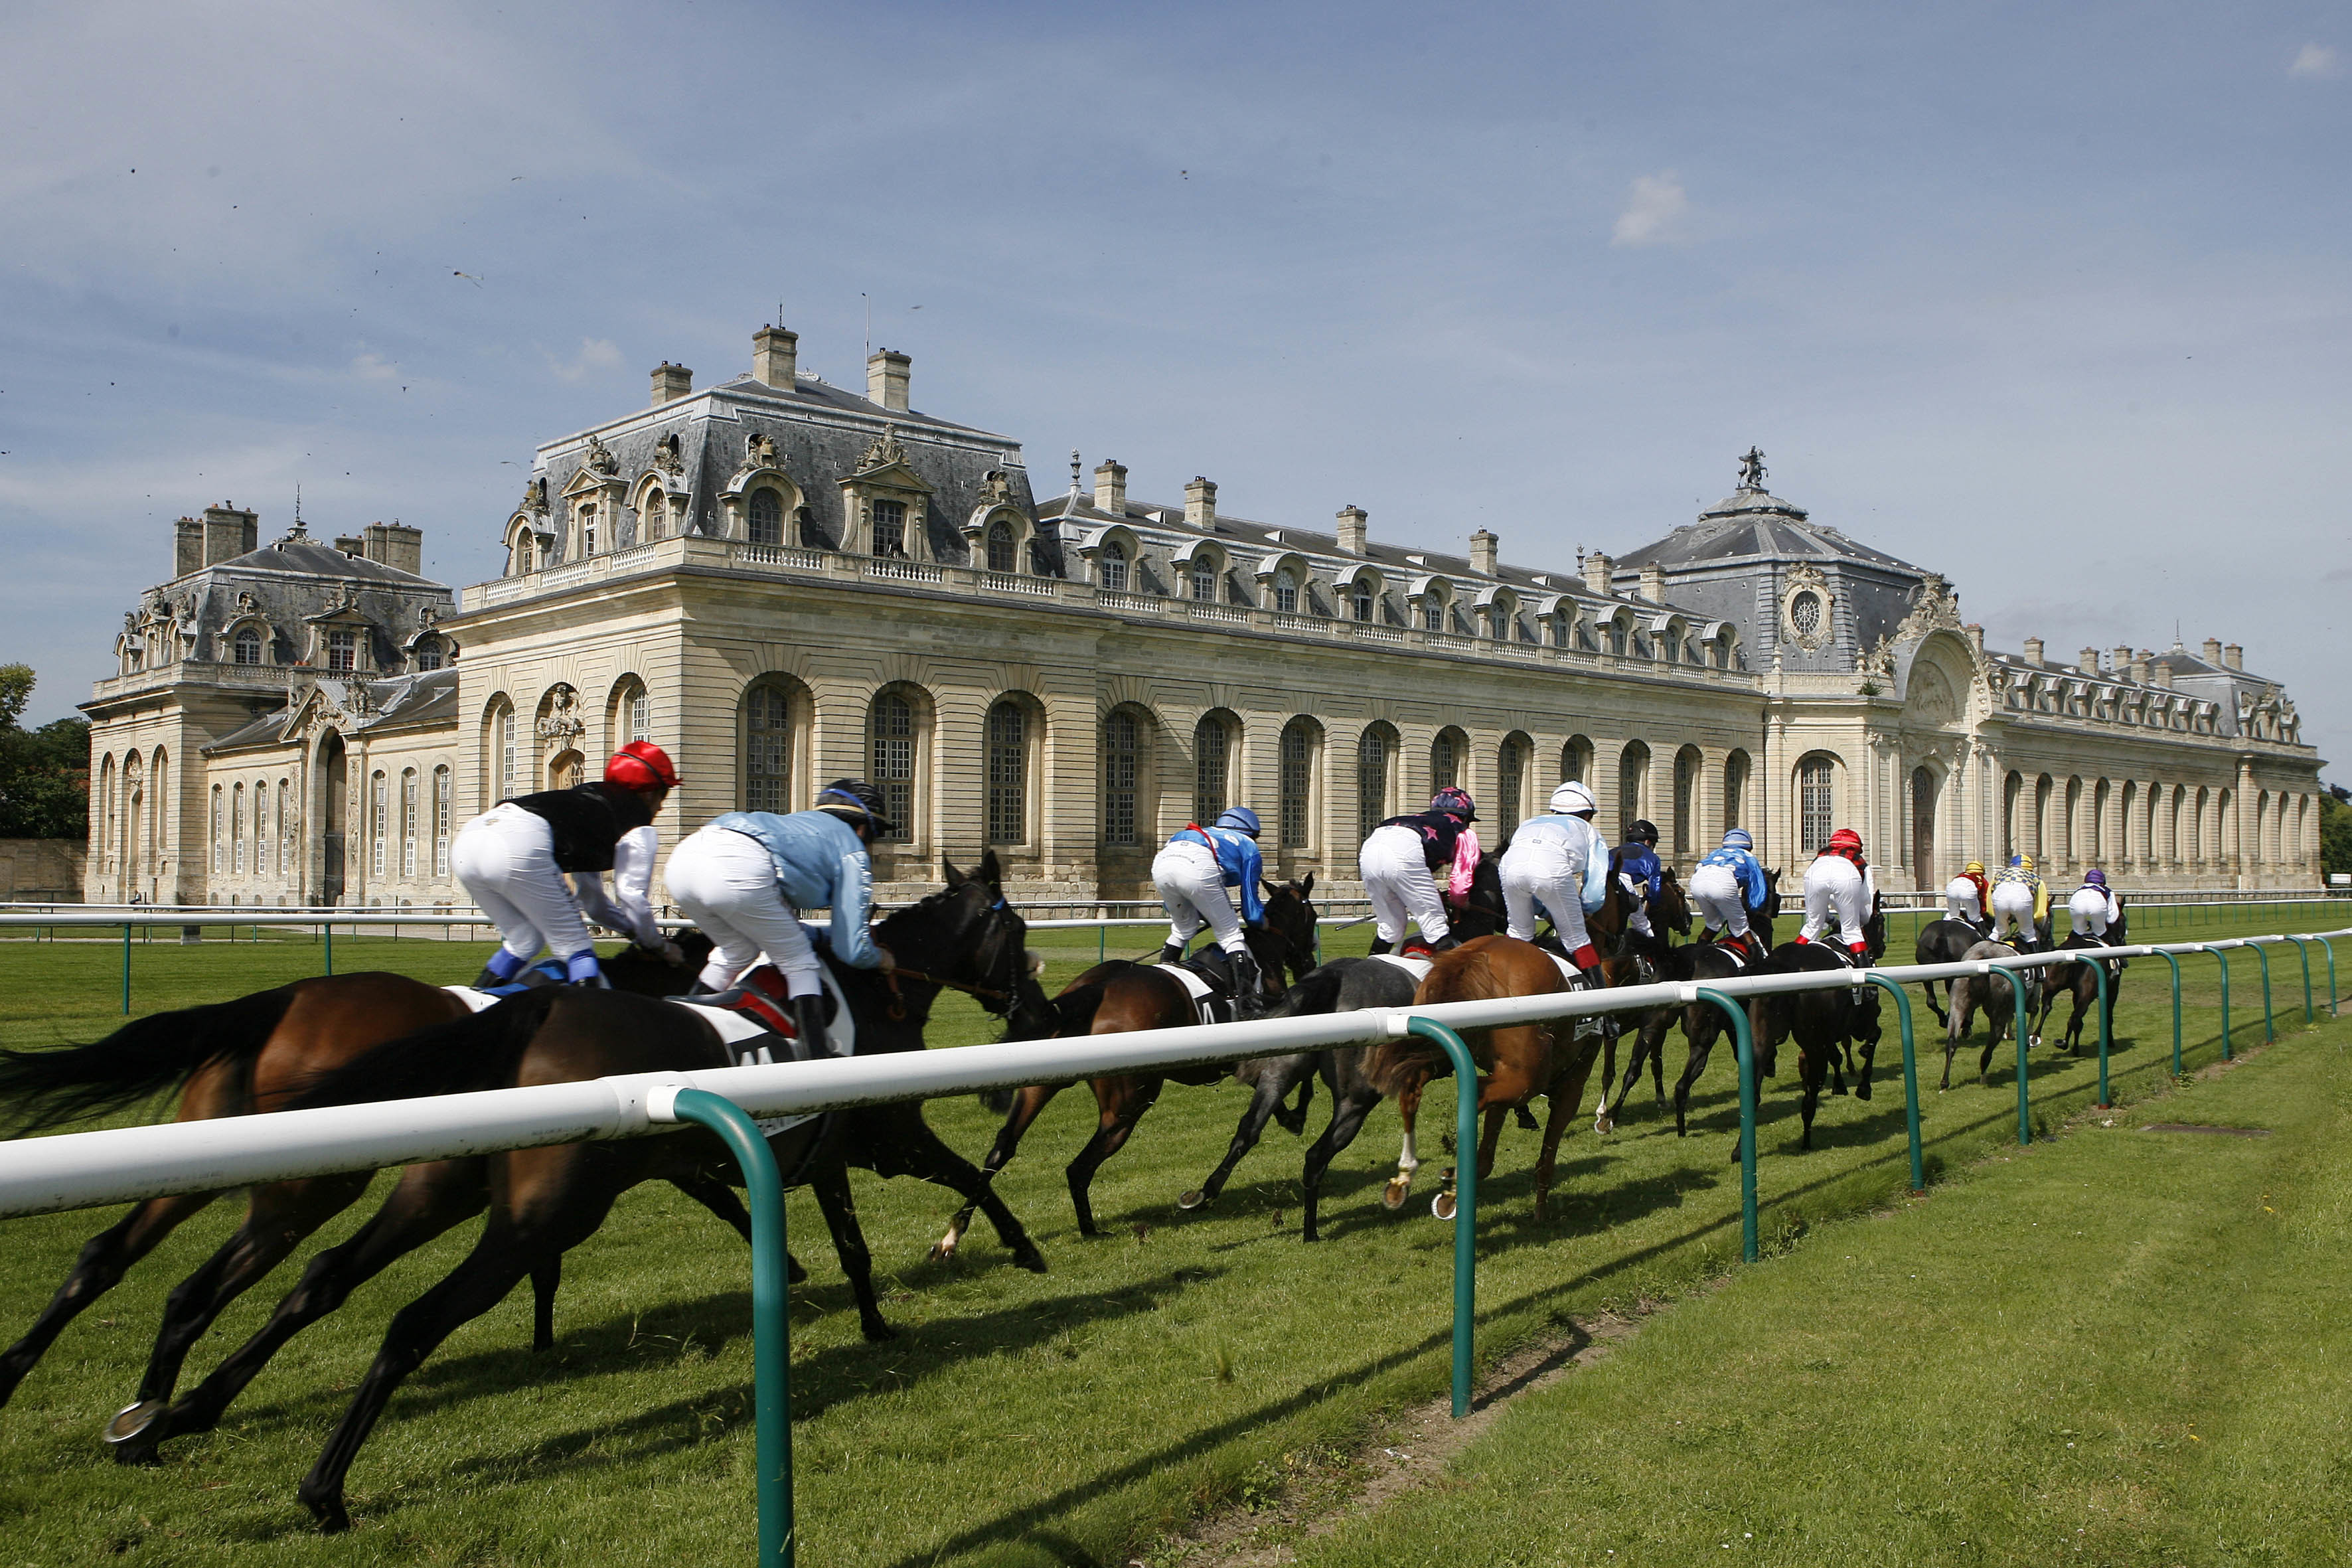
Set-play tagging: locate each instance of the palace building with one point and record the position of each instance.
(782, 581)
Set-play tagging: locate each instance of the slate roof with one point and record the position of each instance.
(1754, 523)
(430, 696)
(298, 555)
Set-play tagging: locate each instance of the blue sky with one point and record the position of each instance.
(2054, 299)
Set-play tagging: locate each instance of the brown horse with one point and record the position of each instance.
(1120, 996)
(1702, 1022)
(2080, 982)
(1519, 1061)
(234, 1058)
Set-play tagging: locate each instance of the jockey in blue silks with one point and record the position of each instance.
(1191, 874)
(1637, 862)
(1727, 884)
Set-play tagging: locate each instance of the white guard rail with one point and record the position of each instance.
(147, 918)
(83, 1170)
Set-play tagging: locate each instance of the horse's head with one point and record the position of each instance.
(1608, 922)
(1672, 908)
(1290, 915)
(967, 936)
(1771, 909)
(649, 974)
(1485, 911)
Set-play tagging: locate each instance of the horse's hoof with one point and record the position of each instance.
(1031, 1259)
(1861, 1092)
(942, 1250)
(133, 1419)
(327, 1511)
(1193, 1200)
(1441, 1206)
(1393, 1195)
(878, 1331)
(1605, 1124)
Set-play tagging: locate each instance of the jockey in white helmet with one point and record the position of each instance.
(1558, 865)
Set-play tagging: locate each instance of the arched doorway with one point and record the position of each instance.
(333, 783)
(1923, 829)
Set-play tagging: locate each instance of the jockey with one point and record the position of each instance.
(515, 859)
(2093, 909)
(1398, 863)
(1726, 886)
(1966, 898)
(1191, 874)
(1839, 885)
(1638, 865)
(1559, 863)
(1468, 851)
(2020, 898)
(744, 878)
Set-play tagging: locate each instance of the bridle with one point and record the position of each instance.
(1004, 997)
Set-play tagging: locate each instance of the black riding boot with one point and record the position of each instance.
(1249, 986)
(1172, 953)
(1445, 943)
(808, 1018)
(1379, 946)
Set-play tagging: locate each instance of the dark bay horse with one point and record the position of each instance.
(1703, 1023)
(1826, 1024)
(2079, 982)
(1945, 941)
(234, 1058)
(546, 1201)
(1998, 999)
(1119, 996)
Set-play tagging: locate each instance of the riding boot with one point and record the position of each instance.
(1380, 944)
(1445, 943)
(1172, 953)
(1249, 986)
(808, 1020)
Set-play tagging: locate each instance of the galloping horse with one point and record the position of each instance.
(1945, 941)
(2078, 981)
(1702, 1022)
(232, 1059)
(1826, 1023)
(546, 1201)
(1119, 996)
(1995, 996)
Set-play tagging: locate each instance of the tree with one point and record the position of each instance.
(44, 773)
(2335, 829)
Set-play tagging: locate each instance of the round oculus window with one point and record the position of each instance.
(1805, 613)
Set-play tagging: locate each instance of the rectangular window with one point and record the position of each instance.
(894, 763)
(1008, 775)
(504, 788)
(342, 650)
(219, 852)
(1112, 569)
(890, 527)
(1432, 614)
(1815, 821)
(767, 751)
(1298, 787)
(441, 803)
(261, 829)
(1204, 581)
(1371, 782)
(641, 717)
(248, 647)
(379, 808)
(237, 829)
(1120, 773)
(1444, 764)
(408, 823)
(1210, 747)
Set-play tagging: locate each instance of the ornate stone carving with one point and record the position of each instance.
(246, 603)
(666, 460)
(1751, 470)
(535, 495)
(1930, 699)
(760, 450)
(1805, 606)
(884, 451)
(562, 722)
(995, 486)
(1933, 608)
(599, 458)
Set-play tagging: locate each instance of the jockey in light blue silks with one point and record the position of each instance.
(1558, 866)
(1726, 886)
(1191, 874)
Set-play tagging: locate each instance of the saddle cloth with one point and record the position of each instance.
(1412, 964)
(1210, 1004)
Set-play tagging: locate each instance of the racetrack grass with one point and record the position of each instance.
(1067, 1417)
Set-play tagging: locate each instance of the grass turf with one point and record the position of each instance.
(1067, 1417)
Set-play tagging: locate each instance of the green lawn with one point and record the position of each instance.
(1074, 1416)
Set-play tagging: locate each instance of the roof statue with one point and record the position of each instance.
(1751, 470)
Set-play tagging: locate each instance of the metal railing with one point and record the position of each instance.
(119, 1165)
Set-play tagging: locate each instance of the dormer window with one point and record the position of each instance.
(1285, 592)
(428, 657)
(1432, 614)
(1110, 568)
(1204, 581)
(342, 650)
(1001, 552)
(1360, 602)
(890, 527)
(247, 646)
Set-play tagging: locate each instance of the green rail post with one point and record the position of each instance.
(1465, 1203)
(126, 969)
(2331, 973)
(2263, 957)
(1743, 1049)
(330, 946)
(2017, 1027)
(2100, 970)
(1910, 1078)
(770, 1314)
(2302, 951)
(2222, 954)
(2173, 961)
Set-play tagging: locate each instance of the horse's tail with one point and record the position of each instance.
(43, 1088)
(478, 1051)
(1074, 1009)
(1316, 994)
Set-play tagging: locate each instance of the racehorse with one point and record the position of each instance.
(546, 1201)
(1995, 996)
(1825, 1023)
(1702, 1022)
(1119, 996)
(2078, 981)
(1945, 941)
(232, 1059)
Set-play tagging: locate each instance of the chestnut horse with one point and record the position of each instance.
(1119, 996)
(234, 1058)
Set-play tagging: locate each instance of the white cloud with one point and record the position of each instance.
(2315, 62)
(1654, 212)
(374, 367)
(595, 354)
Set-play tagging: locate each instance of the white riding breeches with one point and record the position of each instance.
(1835, 890)
(506, 859)
(2012, 902)
(1637, 918)
(725, 882)
(1191, 889)
(1545, 875)
(1960, 900)
(2091, 911)
(1397, 880)
(1715, 893)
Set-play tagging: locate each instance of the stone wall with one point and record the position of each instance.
(42, 870)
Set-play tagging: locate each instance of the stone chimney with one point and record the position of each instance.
(187, 546)
(1975, 637)
(2140, 666)
(1597, 568)
(2034, 650)
(2162, 675)
(230, 532)
(1110, 487)
(351, 544)
(1201, 504)
(1654, 583)
(2089, 663)
(2234, 656)
(775, 357)
(671, 381)
(396, 545)
(2119, 660)
(1483, 546)
(1352, 532)
(886, 379)
(2213, 651)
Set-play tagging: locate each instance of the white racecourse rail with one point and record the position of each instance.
(83, 1170)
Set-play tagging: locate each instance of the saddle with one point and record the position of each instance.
(1208, 978)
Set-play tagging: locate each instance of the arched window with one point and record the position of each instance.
(1376, 751)
(652, 510)
(2013, 791)
(1687, 766)
(1122, 774)
(1110, 568)
(504, 779)
(1923, 828)
(767, 516)
(1433, 613)
(249, 645)
(408, 823)
(428, 654)
(237, 829)
(1204, 574)
(1285, 592)
(890, 527)
(443, 799)
(1816, 803)
(1008, 773)
(1297, 783)
(767, 748)
(220, 842)
(261, 828)
(1001, 555)
(1212, 739)
(2041, 788)
(892, 737)
(1735, 789)
(1576, 760)
(1510, 782)
(1445, 754)
(1633, 786)
(1360, 600)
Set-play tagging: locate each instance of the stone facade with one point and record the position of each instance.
(782, 582)
(41, 870)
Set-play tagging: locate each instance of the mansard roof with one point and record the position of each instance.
(1754, 524)
(299, 555)
(428, 697)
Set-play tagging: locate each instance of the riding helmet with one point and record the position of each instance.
(1739, 838)
(641, 764)
(2095, 878)
(1846, 838)
(856, 798)
(1241, 819)
(1455, 802)
(1974, 866)
(1572, 799)
(1643, 829)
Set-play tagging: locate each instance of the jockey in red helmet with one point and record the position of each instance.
(1838, 885)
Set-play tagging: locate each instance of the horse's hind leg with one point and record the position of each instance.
(830, 1183)
(1942, 1018)
(1347, 1113)
(427, 1201)
(899, 1134)
(1274, 1083)
(278, 1217)
(1702, 1026)
(1408, 1104)
(1026, 1105)
(1120, 1110)
(105, 1258)
(1868, 1035)
(1293, 1118)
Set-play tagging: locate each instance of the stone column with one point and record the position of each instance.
(2249, 845)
